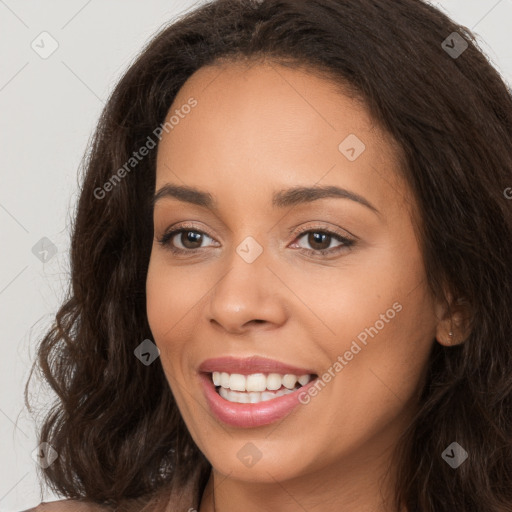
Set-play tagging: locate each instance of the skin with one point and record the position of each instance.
(257, 129)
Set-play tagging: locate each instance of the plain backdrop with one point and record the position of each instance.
(49, 108)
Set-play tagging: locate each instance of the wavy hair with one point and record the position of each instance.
(115, 423)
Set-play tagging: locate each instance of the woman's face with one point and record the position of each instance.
(250, 279)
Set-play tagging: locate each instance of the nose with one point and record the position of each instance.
(247, 296)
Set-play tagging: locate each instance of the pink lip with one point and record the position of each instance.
(250, 415)
(254, 364)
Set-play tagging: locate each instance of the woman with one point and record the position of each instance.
(291, 271)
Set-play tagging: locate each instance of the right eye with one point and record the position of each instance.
(189, 240)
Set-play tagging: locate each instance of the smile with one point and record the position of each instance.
(256, 387)
(253, 391)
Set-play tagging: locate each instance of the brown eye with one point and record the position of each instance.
(320, 242)
(184, 240)
(190, 239)
(317, 240)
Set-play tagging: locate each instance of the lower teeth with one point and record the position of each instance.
(252, 397)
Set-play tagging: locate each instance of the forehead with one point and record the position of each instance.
(289, 102)
(267, 126)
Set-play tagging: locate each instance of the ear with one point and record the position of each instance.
(453, 320)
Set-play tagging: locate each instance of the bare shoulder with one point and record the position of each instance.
(68, 506)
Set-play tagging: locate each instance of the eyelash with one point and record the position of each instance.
(165, 241)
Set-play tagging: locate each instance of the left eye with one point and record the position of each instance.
(320, 241)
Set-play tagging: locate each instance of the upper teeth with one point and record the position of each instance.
(258, 381)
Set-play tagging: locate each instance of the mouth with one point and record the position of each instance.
(257, 387)
(253, 391)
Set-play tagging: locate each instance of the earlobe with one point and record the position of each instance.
(453, 321)
(448, 339)
(453, 329)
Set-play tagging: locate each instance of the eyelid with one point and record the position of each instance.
(322, 226)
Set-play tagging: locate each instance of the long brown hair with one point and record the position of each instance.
(115, 424)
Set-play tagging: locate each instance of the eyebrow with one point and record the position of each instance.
(281, 199)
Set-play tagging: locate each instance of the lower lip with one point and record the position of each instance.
(250, 415)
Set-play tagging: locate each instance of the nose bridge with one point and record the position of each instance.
(246, 292)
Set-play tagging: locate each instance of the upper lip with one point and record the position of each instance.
(249, 365)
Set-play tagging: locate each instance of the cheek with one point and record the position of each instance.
(163, 313)
(157, 300)
(378, 317)
(358, 301)
(174, 298)
(163, 307)
(170, 295)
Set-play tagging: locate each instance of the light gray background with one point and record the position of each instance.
(49, 108)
